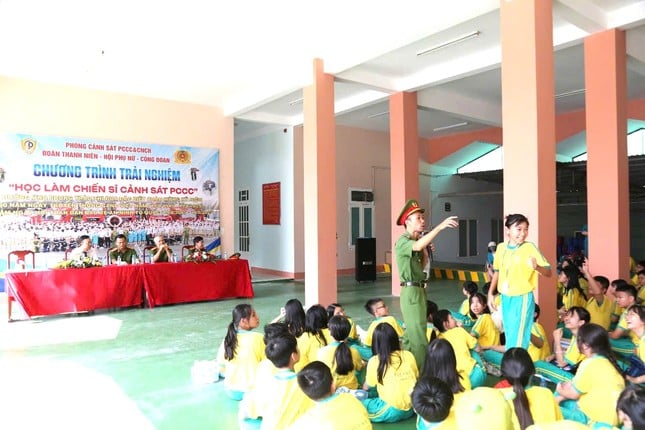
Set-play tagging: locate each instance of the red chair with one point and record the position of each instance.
(185, 250)
(21, 257)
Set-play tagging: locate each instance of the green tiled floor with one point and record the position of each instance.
(148, 353)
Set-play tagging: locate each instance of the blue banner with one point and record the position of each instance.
(56, 188)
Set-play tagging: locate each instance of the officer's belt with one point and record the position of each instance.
(413, 284)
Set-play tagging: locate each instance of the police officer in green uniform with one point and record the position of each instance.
(411, 256)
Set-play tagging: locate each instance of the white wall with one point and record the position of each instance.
(362, 161)
(469, 199)
(261, 160)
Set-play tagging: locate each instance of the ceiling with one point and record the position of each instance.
(252, 58)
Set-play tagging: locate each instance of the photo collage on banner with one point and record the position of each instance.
(54, 189)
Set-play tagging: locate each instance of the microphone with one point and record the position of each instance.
(428, 248)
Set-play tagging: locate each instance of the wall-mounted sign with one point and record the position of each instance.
(271, 203)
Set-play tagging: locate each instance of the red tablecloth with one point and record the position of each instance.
(50, 292)
(169, 283)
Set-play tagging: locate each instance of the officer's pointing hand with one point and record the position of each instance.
(450, 222)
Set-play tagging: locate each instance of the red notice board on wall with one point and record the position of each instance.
(271, 203)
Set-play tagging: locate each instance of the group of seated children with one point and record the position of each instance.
(611, 310)
(313, 367)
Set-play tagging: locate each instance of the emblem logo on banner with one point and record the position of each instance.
(28, 145)
(182, 156)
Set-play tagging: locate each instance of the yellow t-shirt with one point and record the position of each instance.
(326, 354)
(239, 373)
(398, 381)
(352, 331)
(450, 423)
(640, 348)
(462, 342)
(464, 309)
(516, 275)
(308, 345)
(622, 324)
(542, 404)
(599, 385)
(485, 331)
(430, 328)
(483, 405)
(572, 355)
(279, 402)
(539, 353)
(386, 319)
(572, 298)
(265, 372)
(600, 312)
(339, 411)
(616, 310)
(584, 284)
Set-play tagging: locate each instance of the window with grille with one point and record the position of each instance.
(467, 237)
(497, 230)
(361, 214)
(243, 220)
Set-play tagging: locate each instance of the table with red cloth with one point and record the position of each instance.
(168, 283)
(57, 291)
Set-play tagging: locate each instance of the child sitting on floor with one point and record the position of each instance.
(432, 401)
(315, 336)
(240, 352)
(631, 407)
(621, 338)
(539, 348)
(393, 372)
(592, 395)
(293, 315)
(636, 323)
(600, 306)
(279, 401)
(331, 410)
(530, 404)
(469, 363)
(337, 309)
(379, 310)
(561, 366)
(484, 328)
(441, 363)
(463, 315)
(343, 361)
(431, 331)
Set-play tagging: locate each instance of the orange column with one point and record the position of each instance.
(607, 163)
(404, 165)
(319, 164)
(528, 115)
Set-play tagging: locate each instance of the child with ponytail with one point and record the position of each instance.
(241, 351)
(591, 397)
(531, 405)
(343, 361)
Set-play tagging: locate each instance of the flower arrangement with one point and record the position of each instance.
(79, 263)
(197, 256)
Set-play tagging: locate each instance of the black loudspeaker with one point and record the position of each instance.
(365, 259)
